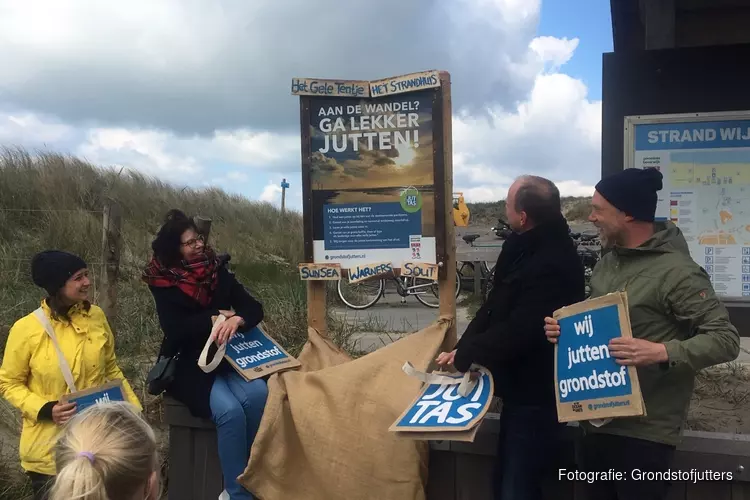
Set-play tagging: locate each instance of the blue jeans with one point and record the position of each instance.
(528, 445)
(236, 407)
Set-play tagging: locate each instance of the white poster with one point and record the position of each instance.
(705, 161)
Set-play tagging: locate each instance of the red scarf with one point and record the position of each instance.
(198, 279)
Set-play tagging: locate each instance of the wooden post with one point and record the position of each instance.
(447, 285)
(316, 289)
(477, 278)
(111, 245)
(204, 226)
(284, 185)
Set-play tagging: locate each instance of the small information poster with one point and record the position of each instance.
(440, 412)
(106, 393)
(254, 355)
(371, 170)
(589, 383)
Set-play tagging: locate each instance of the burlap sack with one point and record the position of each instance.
(324, 433)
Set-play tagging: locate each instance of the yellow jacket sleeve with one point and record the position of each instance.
(14, 374)
(112, 370)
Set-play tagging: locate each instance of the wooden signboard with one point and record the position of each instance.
(369, 271)
(319, 272)
(377, 179)
(331, 88)
(589, 384)
(420, 270)
(405, 83)
(105, 393)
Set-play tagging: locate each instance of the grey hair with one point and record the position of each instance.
(539, 198)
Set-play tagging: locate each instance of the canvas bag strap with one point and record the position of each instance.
(67, 374)
(465, 383)
(218, 355)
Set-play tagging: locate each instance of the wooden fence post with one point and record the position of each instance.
(284, 185)
(204, 226)
(447, 285)
(111, 246)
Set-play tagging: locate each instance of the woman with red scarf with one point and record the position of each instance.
(191, 286)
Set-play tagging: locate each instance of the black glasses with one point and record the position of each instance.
(194, 241)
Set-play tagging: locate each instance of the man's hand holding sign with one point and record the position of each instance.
(627, 351)
(448, 407)
(446, 359)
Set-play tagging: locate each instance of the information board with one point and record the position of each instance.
(705, 160)
(371, 169)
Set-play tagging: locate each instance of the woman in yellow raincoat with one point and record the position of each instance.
(32, 376)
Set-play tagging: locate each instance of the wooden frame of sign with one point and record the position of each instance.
(66, 398)
(438, 86)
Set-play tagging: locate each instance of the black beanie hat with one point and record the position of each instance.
(633, 191)
(52, 268)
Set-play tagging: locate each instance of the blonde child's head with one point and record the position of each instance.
(106, 452)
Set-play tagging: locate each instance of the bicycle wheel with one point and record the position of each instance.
(488, 284)
(588, 271)
(428, 291)
(486, 267)
(360, 295)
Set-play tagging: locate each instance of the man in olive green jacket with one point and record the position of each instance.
(679, 327)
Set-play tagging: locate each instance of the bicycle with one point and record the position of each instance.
(588, 255)
(405, 286)
(486, 272)
(586, 239)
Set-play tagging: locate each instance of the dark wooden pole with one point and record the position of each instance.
(111, 247)
(204, 226)
(283, 196)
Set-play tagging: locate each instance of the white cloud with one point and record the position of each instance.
(197, 92)
(271, 193)
(575, 188)
(556, 51)
(172, 157)
(144, 150)
(555, 133)
(238, 177)
(206, 65)
(31, 129)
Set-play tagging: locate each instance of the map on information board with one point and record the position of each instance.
(706, 168)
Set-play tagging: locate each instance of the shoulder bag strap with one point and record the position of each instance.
(67, 374)
(218, 355)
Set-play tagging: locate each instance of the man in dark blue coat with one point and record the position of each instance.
(537, 272)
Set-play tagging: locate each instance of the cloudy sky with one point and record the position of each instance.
(197, 92)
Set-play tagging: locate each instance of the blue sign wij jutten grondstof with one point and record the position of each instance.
(104, 396)
(252, 349)
(585, 368)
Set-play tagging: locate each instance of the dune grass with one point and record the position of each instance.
(54, 201)
(575, 209)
